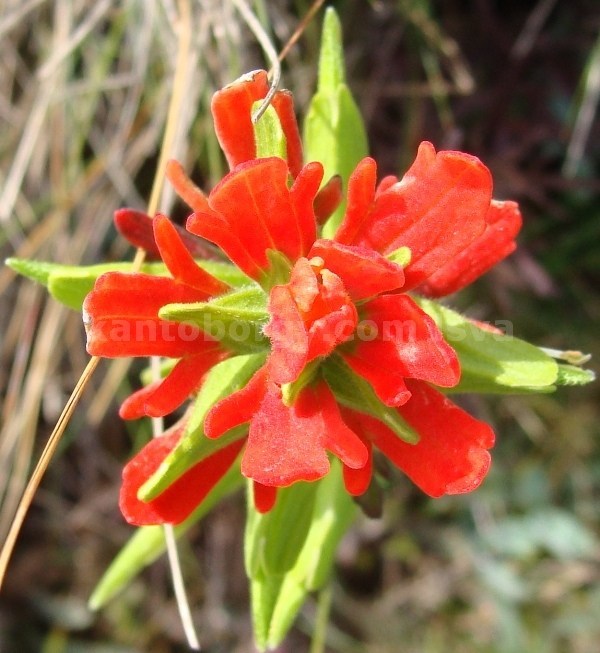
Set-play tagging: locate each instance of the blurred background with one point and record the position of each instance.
(84, 88)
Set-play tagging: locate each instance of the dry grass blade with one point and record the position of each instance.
(41, 467)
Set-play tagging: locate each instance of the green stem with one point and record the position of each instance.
(323, 610)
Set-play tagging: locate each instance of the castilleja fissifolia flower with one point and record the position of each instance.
(334, 309)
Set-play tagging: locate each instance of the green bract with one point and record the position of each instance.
(334, 132)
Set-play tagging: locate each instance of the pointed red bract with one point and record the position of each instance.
(264, 497)
(252, 210)
(437, 209)
(289, 443)
(136, 228)
(180, 262)
(237, 408)
(232, 111)
(452, 454)
(185, 187)
(163, 397)
(328, 199)
(183, 496)
(503, 222)
(397, 341)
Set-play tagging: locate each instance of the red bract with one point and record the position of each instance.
(503, 222)
(451, 456)
(232, 113)
(252, 211)
(287, 443)
(180, 499)
(437, 210)
(121, 318)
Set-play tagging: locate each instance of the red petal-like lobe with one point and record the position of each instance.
(385, 183)
(213, 227)
(231, 108)
(253, 211)
(397, 340)
(288, 443)
(361, 194)
(185, 187)
(451, 456)
(310, 317)
(118, 293)
(302, 195)
(437, 210)
(365, 273)
(333, 317)
(136, 228)
(288, 334)
(328, 199)
(116, 337)
(238, 407)
(264, 497)
(497, 242)
(181, 498)
(180, 262)
(357, 481)
(121, 318)
(232, 112)
(165, 396)
(283, 103)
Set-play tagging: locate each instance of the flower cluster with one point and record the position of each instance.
(331, 304)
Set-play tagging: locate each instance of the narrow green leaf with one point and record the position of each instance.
(332, 70)
(148, 543)
(277, 598)
(69, 284)
(225, 378)
(572, 375)
(492, 361)
(274, 540)
(334, 132)
(236, 319)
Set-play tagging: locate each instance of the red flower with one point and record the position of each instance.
(432, 232)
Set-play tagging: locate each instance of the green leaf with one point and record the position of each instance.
(492, 362)
(334, 511)
(277, 598)
(235, 319)
(268, 134)
(69, 284)
(273, 540)
(148, 543)
(223, 379)
(334, 132)
(354, 392)
(571, 375)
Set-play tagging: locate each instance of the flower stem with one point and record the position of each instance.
(317, 644)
